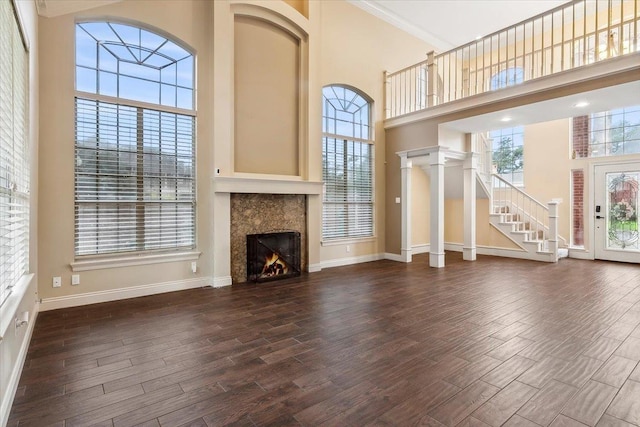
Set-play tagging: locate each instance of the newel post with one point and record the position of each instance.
(553, 228)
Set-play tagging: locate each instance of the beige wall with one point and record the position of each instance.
(188, 21)
(266, 84)
(547, 166)
(15, 341)
(301, 6)
(356, 50)
(420, 207)
(415, 135)
(546, 176)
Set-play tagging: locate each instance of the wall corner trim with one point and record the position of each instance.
(393, 257)
(222, 281)
(314, 268)
(122, 293)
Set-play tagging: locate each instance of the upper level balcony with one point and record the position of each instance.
(569, 37)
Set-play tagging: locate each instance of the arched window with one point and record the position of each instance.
(509, 77)
(135, 141)
(347, 164)
(508, 143)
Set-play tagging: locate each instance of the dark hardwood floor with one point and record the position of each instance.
(493, 342)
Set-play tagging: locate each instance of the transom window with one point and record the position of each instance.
(135, 141)
(615, 132)
(14, 153)
(347, 164)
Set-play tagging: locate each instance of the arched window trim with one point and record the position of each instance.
(135, 183)
(348, 198)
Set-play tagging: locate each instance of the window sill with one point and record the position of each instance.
(132, 260)
(11, 304)
(348, 241)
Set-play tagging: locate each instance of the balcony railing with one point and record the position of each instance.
(570, 36)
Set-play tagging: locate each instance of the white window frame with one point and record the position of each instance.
(500, 134)
(595, 149)
(15, 159)
(361, 228)
(142, 251)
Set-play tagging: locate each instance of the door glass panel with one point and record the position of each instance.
(622, 206)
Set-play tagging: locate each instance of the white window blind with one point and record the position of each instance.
(14, 154)
(347, 165)
(135, 183)
(134, 142)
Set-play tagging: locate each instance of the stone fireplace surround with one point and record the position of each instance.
(264, 213)
(284, 196)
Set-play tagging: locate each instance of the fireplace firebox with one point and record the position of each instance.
(273, 256)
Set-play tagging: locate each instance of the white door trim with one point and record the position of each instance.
(598, 249)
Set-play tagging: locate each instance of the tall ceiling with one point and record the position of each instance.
(446, 24)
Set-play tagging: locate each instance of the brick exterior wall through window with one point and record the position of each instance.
(577, 203)
(581, 137)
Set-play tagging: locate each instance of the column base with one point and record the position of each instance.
(436, 260)
(469, 254)
(406, 255)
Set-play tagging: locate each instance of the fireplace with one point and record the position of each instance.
(273, 256)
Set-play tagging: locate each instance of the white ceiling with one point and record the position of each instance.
(446, 24)
(609, 98)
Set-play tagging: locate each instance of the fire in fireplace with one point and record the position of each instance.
(272, 256)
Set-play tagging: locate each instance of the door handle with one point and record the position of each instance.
(599, 217)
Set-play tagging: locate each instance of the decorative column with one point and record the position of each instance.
(553, 228)
(470, 171)
(436, 254)
(405, 173)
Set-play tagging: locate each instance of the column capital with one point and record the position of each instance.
(437, 157)
(405, 162)
(471, 162)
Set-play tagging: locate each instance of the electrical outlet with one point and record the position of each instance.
(194, 266)
(57, 282)
(348, 248)
(75, 279)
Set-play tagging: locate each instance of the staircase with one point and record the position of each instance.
(529, 224)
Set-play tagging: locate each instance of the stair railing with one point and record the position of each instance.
(481, 145)
(531, 215)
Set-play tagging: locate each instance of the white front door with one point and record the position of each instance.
(616, 212)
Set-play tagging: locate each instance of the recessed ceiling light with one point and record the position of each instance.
(506, 119)
(581, 104)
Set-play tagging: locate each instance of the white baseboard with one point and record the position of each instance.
(351, 260)
(16, 372)
(393, 257)
(222, 281)
(314, 268)
(122, 293)
(456, 247)
(421, 248)
(581, 254)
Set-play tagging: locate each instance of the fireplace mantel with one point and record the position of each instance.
(241, 184)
